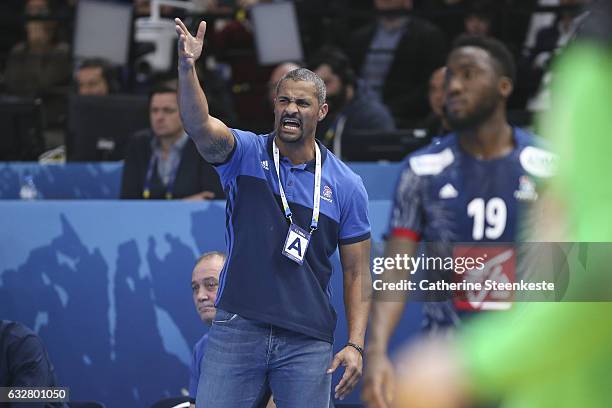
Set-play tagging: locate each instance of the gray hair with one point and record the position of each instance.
(303, 74)
(210, 254)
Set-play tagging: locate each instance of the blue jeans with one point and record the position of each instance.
(245, 359)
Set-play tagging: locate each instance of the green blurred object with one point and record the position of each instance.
(580, 126)
(560, 354)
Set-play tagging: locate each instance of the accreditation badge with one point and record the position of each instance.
(296, 244)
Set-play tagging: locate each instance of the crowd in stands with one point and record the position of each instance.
(381, 61)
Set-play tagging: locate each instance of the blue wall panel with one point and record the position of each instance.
(107, 286)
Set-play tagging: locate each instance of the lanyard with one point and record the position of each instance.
(146, 193)
(317, 187)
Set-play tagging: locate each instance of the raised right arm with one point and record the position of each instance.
(212, 137)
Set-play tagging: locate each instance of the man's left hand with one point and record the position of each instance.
(350, 358)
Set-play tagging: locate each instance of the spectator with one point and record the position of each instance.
(161, 162)
(549, 40)
(95, 76)
(395, 56)
(204, 284)
(234, 44)
(24, 361)
(352, 107)
(446, 14)
(479, 18)
(436, 123)
(40, 66)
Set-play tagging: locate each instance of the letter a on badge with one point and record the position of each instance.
(297, 246)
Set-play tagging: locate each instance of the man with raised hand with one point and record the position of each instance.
(290, 204)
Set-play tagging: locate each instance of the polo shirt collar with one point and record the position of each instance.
(310, 166)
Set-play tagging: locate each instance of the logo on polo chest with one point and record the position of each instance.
(327, 194)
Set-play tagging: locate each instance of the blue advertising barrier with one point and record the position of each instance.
(62, 181)
(103, 180)
(107, 285)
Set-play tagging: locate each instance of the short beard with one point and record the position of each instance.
(475, 119)
(284, 139)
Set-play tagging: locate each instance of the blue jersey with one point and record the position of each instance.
(258, 281)
(445, 196)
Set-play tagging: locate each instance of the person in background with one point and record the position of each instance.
(550, 41)
(162, 162)
(24, 361)
(40, 67)
(204, 285)
(479, 18)
(95, 76)
(352, 106)
(395, 56)
(436, 123)
(41, 63)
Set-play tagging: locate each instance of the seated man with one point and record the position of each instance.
(24, 361)
(204, 284)
(162, 162)
(95, 76)
(395, 55)
(352, 106)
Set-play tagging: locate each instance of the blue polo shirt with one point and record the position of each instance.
(257, 281)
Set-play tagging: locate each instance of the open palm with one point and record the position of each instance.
(189, 47)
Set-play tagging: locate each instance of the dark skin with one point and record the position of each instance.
(473, 80)
(296, 101)
(297, 111)
(476, 95)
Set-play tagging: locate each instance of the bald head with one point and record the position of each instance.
(204, 284)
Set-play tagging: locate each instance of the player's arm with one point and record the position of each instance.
(385, 315)
(212, 137)
(355, 259)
